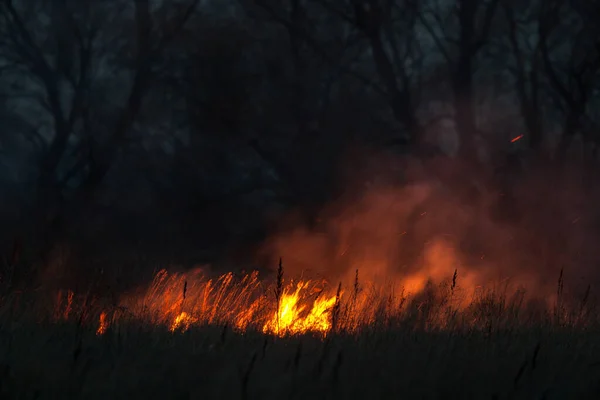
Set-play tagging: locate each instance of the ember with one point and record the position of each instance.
(516, 139)
(102, 324)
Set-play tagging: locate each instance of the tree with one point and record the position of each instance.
(473, 20)
(572, 67)
(64, 50)
(375, 19)
(527, 70)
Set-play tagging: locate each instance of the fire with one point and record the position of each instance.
(426, 275)
(102, 324)
(60, 311)
(183, 322)
(180, 301)
(291, 316)
(516, 139)
(243, 302)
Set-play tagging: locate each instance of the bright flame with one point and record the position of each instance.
(180, 301)
(182, 322)
(291, 318)
(421, 273)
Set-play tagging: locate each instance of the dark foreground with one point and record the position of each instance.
(69, 362)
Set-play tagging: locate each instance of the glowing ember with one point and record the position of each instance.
(64, 308)
(102, 324)
(516, 139)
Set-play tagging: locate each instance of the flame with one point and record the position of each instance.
(435, 292)
(102, 324)
(290, 316)
(183, 321)
(182, 300)
(421, 273)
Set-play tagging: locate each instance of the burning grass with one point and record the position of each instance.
(416, 305)
(433, 333)
(243, 302)
(236, 336)
(186, 346)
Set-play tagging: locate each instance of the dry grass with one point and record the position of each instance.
(498, 347)
(66, 361)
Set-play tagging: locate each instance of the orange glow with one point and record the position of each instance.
(417, 252)
(63, 309)
(243, 302)
(360, 254)
(370, 269)
(182, 322)
(102, 324)
(291, 317)
(183, 300)
(516, 139)
(179, 301)
(305, 306)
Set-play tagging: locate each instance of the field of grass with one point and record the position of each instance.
(65, 361)
(502, 357)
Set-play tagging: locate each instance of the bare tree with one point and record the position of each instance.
(573, 69)
(384, 30)
(60, 47)
(376, 20)
(473, 20)
(314, 54)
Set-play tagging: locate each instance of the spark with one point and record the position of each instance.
(516, 139)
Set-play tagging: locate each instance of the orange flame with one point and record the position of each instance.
(516, 139)
(401, 274)
(182, 322)
(290, 317)
(102, 324)
(180, 301)
(303, 307)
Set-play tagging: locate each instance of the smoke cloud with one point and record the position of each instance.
(440, 218)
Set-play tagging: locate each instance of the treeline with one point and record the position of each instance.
(208, 118)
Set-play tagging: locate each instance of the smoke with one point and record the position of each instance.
(440, 218)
